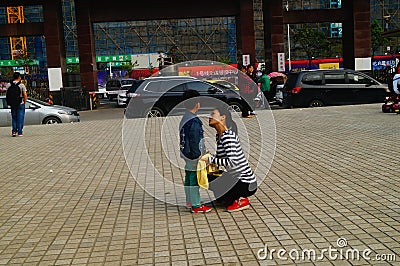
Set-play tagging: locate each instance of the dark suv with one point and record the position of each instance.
(316, 88)
(158, 96)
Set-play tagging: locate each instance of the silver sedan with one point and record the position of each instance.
(38, 112)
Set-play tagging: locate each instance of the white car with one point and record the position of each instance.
(38, 112)
(122, 99)
(101, 92)
(115, 86)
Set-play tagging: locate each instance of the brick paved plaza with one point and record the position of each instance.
(67, 196)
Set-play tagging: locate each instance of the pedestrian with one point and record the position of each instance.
(246, 88)
(238, 181)
(251, 73)
(16, 98)
(254, 91)
(192, 148)
(265, 84)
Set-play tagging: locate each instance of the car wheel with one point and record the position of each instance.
(316, 103)
(235, 107)
(155, 112)
(51, 120)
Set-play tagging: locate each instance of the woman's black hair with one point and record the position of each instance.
(230, 124)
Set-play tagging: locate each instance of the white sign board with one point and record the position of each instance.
(281, 62)
(362, 63)
(145, 60)
(246, 59)
(55, 79)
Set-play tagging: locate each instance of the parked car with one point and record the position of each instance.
(38, 112)
(157, 96)
(115, 86)
(122, 98)
(101, 92)
(317, 88)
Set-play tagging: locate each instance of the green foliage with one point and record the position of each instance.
(151, 68)
(6, 73)
(73, 68)
(313, 43)
(129, 66)
(225, 60)
(377, 40)
(25, 60)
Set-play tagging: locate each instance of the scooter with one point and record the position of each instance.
(391, 104)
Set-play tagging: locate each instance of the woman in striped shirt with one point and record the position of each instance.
(238, 181)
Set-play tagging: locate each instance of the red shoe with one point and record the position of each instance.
(238, 205)
(202, 209)
(188, 205)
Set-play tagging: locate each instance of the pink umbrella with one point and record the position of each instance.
(276, 74)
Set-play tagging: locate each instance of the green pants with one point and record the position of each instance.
(191, 185)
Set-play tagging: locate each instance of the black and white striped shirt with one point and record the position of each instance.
(231, 156)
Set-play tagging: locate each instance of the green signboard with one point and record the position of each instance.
(103, 59)
(16, 63)
(72, 60)
(113, 58)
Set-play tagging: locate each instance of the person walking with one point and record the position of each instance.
(265, 85)
(245, 90)
(16, 97)
(192, 147)
(254, 90)
(238, 181)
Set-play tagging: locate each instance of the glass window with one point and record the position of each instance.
(179, 88)
(29, 105)
(334, 78)
(312, 79)
(198, 86)
(226, 84)
(126, 82)
(358, 79)
(153, 86)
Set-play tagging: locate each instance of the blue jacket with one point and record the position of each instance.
(191, 136)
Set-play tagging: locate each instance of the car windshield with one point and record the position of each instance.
(39, 102)
(125, 82)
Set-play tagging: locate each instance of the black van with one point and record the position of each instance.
(317, 88)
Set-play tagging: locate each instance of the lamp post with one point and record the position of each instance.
(288, 36)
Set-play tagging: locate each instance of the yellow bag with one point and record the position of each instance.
(202, 170)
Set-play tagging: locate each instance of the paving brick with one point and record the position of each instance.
(75, 201)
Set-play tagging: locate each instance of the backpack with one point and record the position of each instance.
(13, 96)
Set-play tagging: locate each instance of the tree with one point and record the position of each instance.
(129, 66)
(26, 61)
(313, 43)
(377, 40)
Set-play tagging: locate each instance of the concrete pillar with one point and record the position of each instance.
(54, 34)
(246, 33)
(356, 31)
(274, 41)
(87, 53)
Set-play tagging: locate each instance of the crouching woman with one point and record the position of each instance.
(238, 181)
